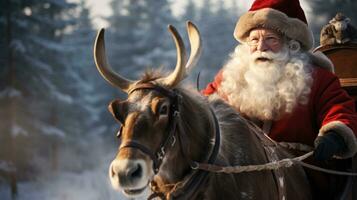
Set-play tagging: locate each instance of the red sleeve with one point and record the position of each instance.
(213, 86)
(333, 104)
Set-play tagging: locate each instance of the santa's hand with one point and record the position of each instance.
(328, 145)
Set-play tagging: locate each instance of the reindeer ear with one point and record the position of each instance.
(119, 110)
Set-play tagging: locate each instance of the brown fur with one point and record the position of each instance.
(150, 75)
(239, 146)
(276, 20)
(332, 34)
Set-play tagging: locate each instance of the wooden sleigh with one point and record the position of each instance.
(344, 58)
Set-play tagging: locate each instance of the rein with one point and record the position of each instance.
(192, 182)
(284, 163)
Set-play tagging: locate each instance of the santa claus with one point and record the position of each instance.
(273, 79)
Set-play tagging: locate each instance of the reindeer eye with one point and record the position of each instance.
(164, 109)
(160, 106)
(119, 132)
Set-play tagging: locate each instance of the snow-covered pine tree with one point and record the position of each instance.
(139, 34)
(85, 124)
(216, 23)
(159, 49)
(31, 94)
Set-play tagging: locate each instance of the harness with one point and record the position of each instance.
(189, 186)
(159, 154)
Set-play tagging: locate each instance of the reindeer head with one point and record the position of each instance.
(147, 115)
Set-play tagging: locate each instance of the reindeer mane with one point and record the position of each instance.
(197, 119)
(151, 75)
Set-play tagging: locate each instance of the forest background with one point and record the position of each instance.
(56, 134)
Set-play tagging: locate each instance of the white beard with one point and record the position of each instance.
(266, 90)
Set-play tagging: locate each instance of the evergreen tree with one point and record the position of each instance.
(159, 49)
(139, 29)
(216, 24)
(125, 35)
(190, 11)
(31, 92)
(83, 121)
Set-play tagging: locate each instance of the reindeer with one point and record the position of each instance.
(167, 127)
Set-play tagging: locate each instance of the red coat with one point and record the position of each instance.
(329, 108)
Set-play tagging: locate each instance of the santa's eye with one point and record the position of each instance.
(271, 40)
(253, 40)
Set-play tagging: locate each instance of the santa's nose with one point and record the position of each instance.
(262, 46)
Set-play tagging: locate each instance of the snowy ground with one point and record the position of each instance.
(87, 185)
(84, 185)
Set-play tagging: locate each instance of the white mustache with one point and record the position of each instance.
(270, 56)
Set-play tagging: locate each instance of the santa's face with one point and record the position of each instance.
(263, 39)
(266, 83)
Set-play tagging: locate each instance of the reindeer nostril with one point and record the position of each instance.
(135, 172)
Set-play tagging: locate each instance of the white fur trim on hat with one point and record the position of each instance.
(292, 28)
(347, 135)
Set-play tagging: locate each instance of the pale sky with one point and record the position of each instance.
(101, 8)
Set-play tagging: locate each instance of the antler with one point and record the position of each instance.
(178, 74)
(181, 69)
(195, 43)
(104, 68)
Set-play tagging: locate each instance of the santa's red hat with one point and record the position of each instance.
(284, 16)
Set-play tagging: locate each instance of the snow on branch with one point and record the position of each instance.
(17, 130)
(10, 92)
(63, 97)
(39, 64)
(50, 130)
(49, 44)
(7, 166)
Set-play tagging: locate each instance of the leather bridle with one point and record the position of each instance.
(196, 177)
(170, 139)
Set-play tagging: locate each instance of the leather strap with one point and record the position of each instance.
(144, 149)
(197, 177)
(159, 154)
(270, 152)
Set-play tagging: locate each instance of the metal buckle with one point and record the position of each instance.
(176, 113)
(174, 141)
(161, 154)
(156, 170)
(194, 165)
